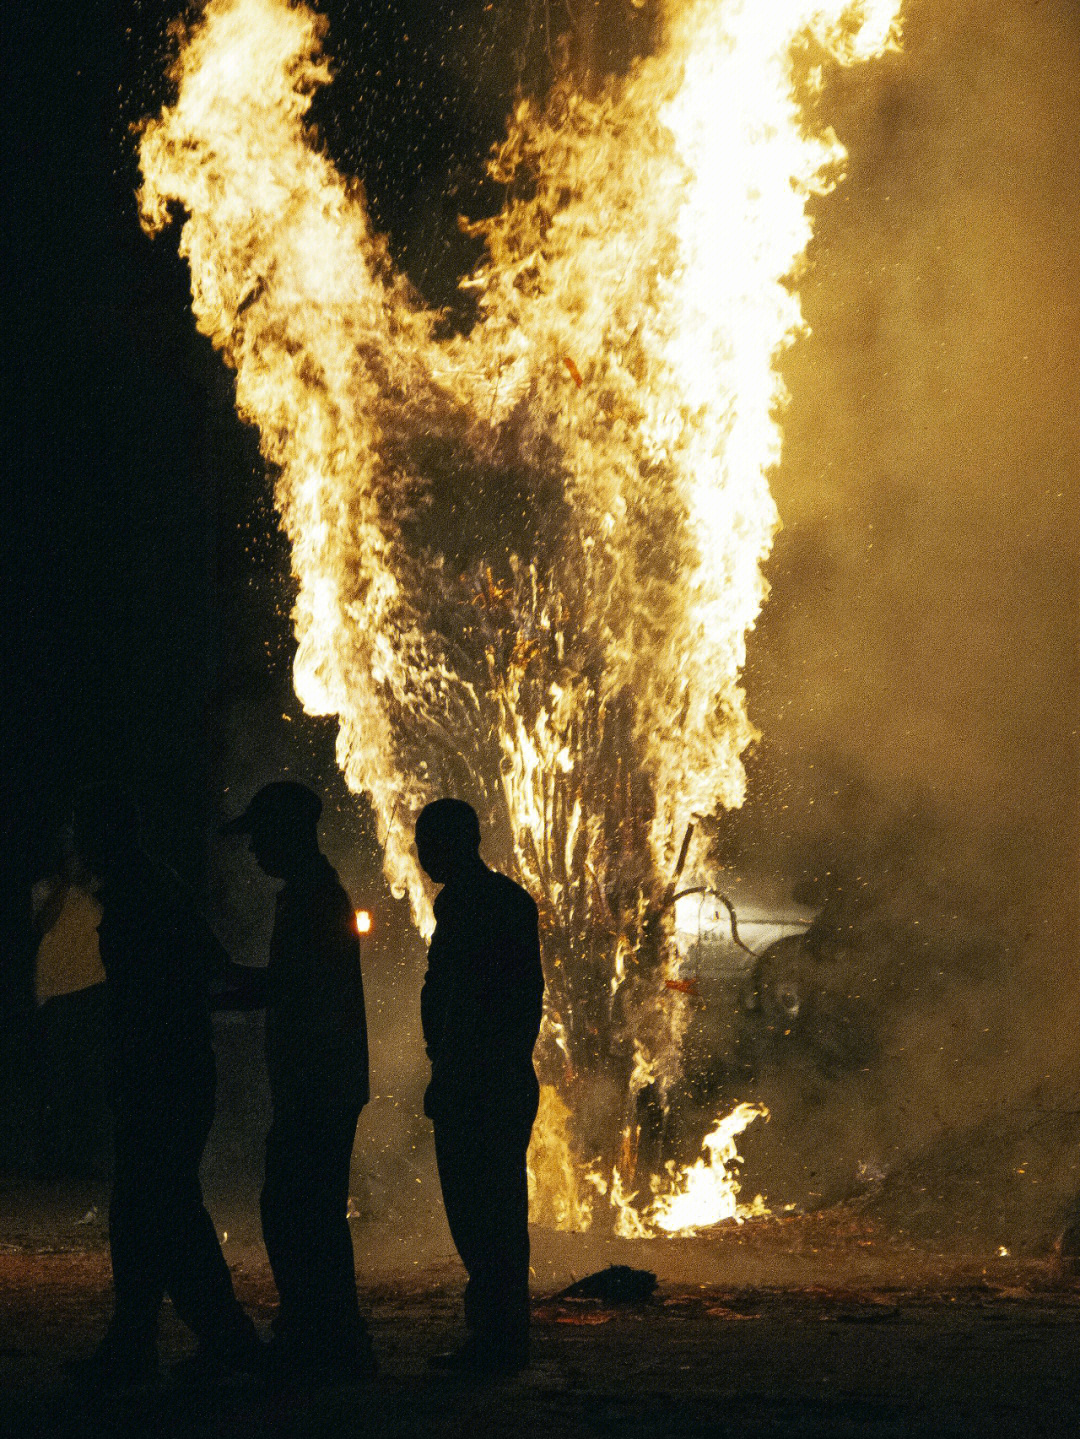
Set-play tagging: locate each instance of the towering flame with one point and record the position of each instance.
(528, 556)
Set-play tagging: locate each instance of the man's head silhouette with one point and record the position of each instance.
(282, 822)
(448, 839)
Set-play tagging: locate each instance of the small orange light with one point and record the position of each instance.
(363, 921)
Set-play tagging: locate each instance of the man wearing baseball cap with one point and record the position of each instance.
(317, 1061)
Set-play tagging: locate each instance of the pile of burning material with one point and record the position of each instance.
(1005, 1187)
(527, 557)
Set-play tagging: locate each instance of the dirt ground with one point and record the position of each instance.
(804, 1327)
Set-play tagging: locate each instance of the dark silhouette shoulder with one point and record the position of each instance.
(518, 901)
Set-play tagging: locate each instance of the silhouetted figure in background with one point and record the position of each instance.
(317, 1060)
(481, 1008)
(159, 959)
(70, 1031)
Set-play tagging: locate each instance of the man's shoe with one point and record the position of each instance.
(502, 1362)
(113, 1367)
(327, 1372)
(452, 1360)
(291, 1368)
(210, 1365)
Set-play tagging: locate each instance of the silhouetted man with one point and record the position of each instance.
(481, 1008)
(317, 1060)
(159, 959)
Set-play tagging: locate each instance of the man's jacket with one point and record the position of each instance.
(483, 997)
(160, 960)
(316, 1028)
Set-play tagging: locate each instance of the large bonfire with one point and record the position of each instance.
(527, 557)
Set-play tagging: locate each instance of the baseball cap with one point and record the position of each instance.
(280, 804)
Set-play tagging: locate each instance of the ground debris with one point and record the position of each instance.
(578, 1314)
(874, 1312)
(617, 1284)
(668, 1367)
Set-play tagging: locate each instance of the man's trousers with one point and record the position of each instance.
(481, 1160)
(161, 1238)
(304, 1201)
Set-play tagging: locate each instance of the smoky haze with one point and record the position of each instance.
(914, 673)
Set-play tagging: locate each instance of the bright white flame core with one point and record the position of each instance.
(577, 673)
(706, 1193)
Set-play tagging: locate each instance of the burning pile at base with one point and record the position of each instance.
(528, 556)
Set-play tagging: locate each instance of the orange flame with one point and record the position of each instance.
(584, 688)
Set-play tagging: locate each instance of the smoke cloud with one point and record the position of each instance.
(914, 674)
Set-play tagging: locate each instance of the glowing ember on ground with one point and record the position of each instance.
(528, 557)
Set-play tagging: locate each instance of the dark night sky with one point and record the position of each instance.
(148, 589)
(121, 516)
(143, 524)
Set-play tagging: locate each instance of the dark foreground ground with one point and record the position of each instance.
(795, 1328)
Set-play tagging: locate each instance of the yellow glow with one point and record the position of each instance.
(556, 1198)
(363, 921)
